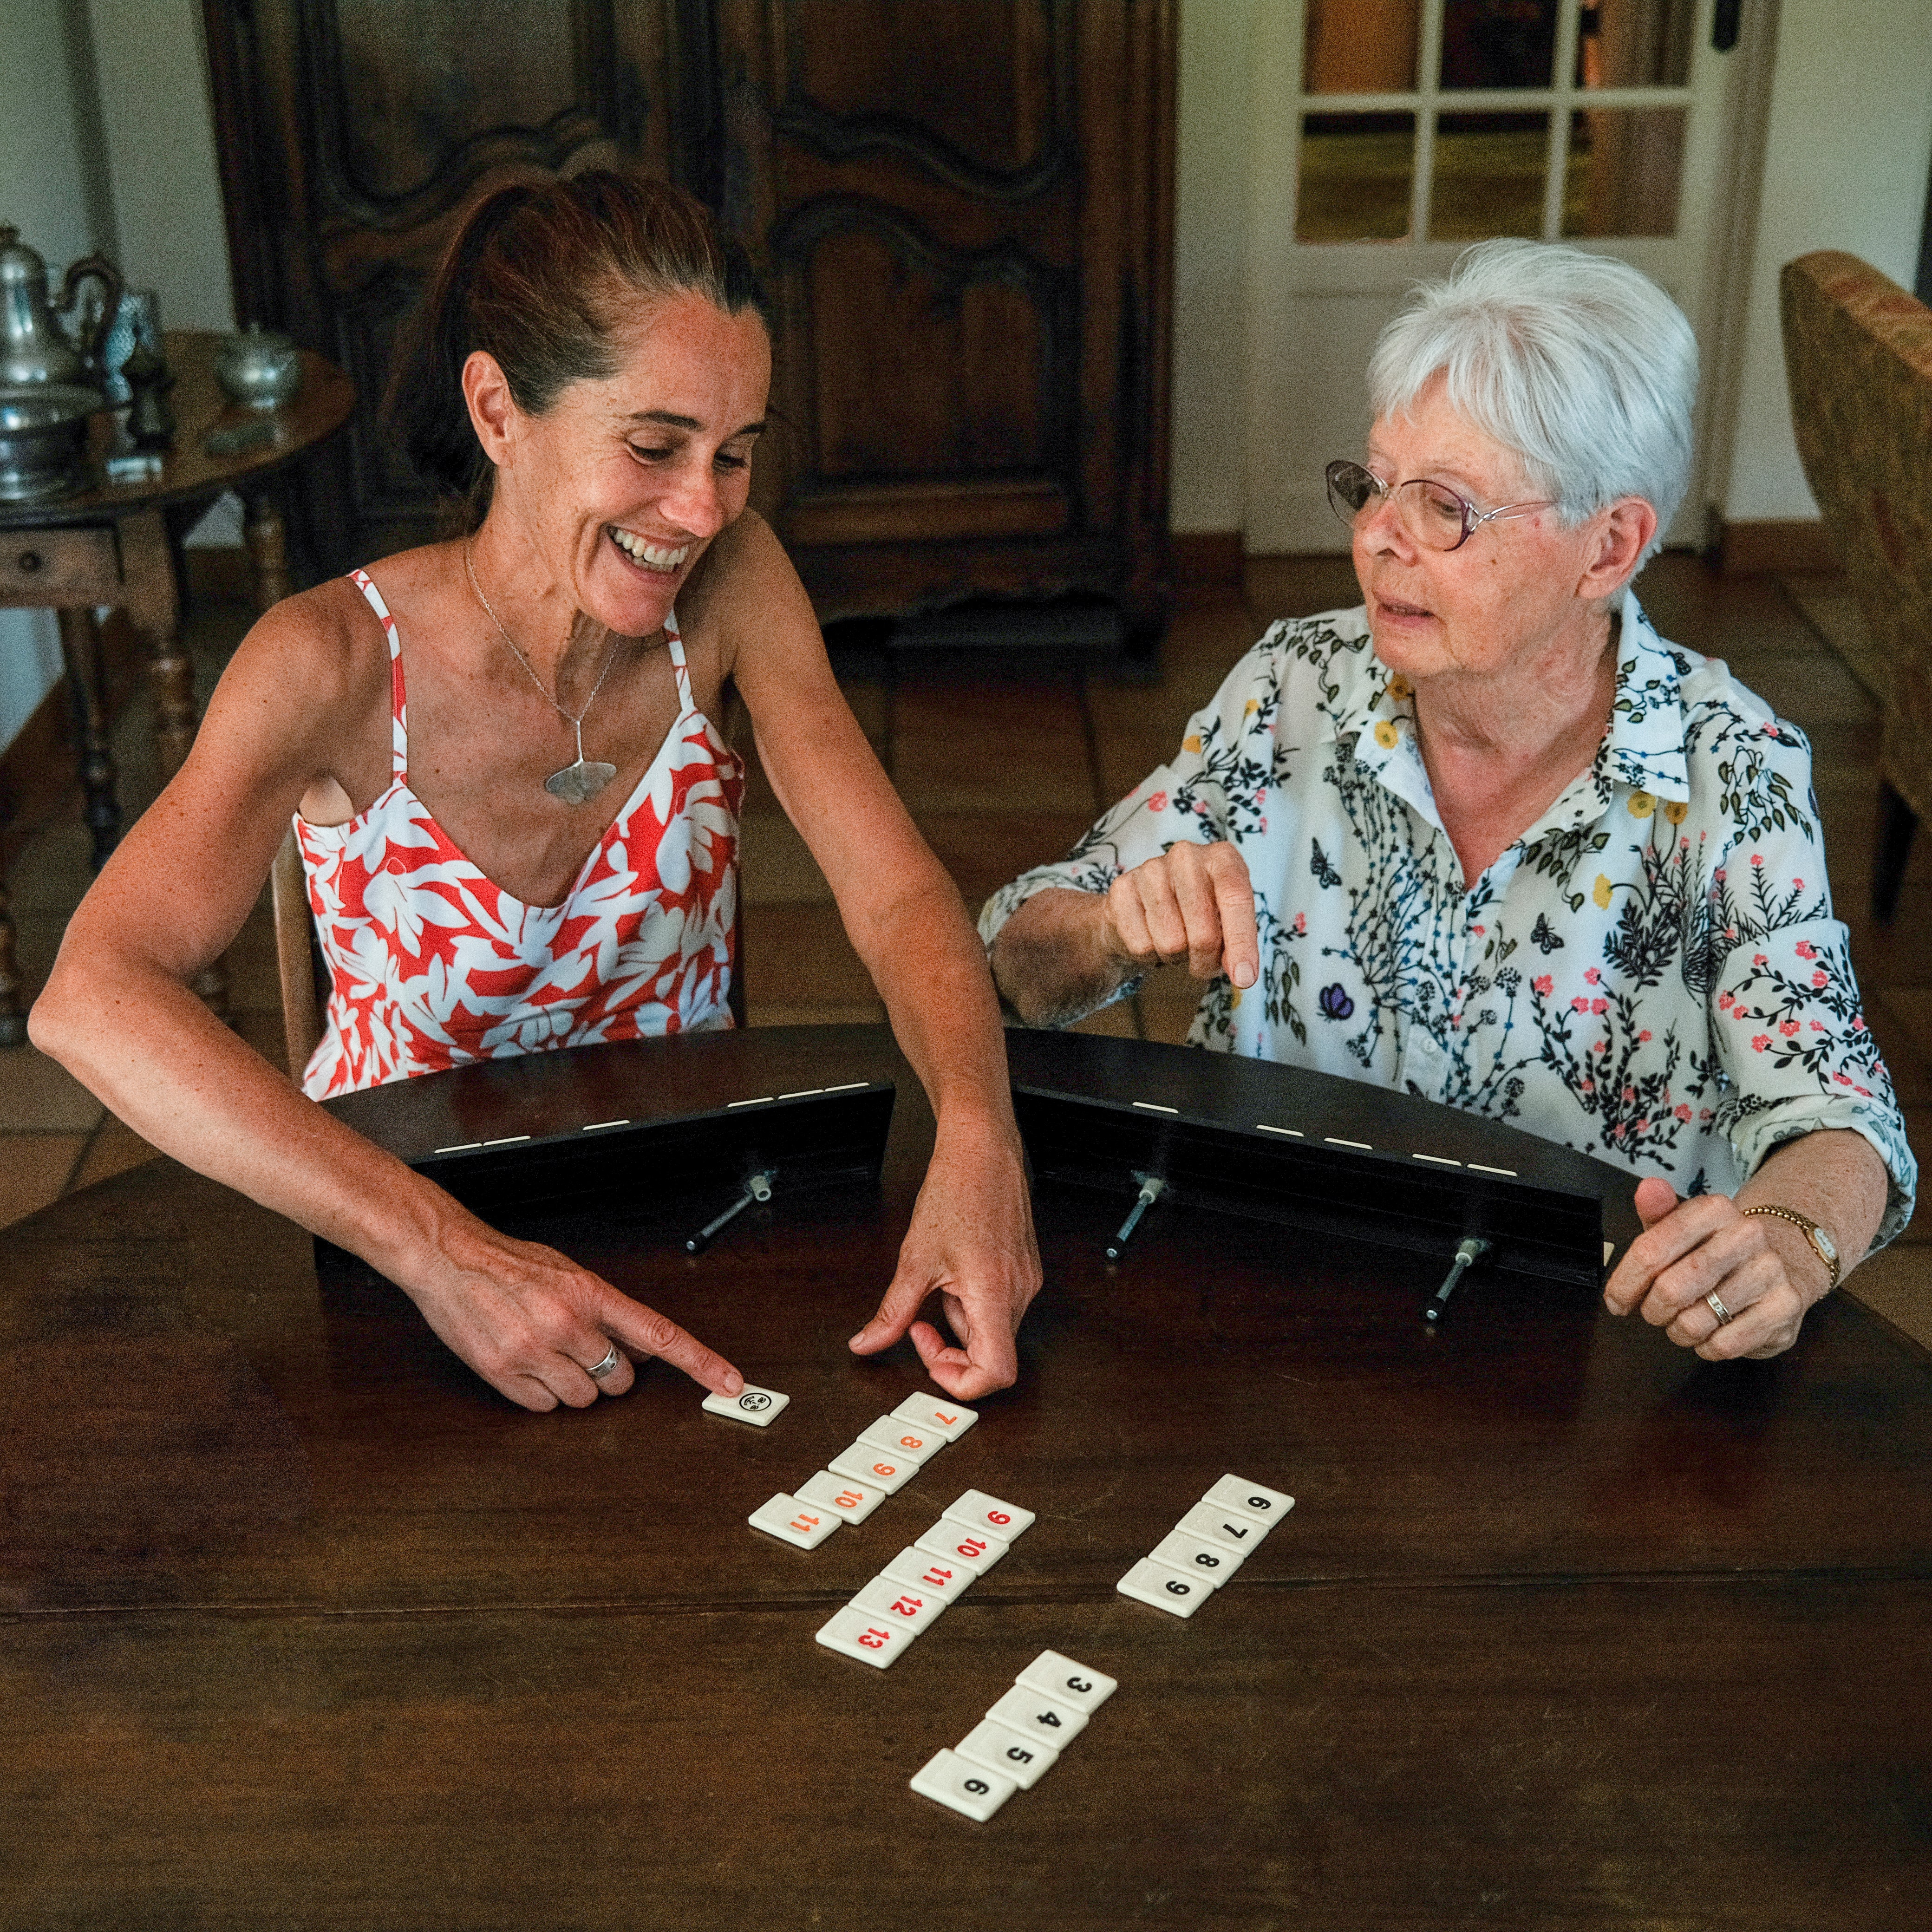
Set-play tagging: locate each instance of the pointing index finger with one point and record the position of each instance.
(643, 1331)
(1234, 898)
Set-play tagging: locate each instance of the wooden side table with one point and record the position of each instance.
(109, 547)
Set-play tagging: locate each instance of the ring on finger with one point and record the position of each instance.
(1717, 1308)
(598, 1371)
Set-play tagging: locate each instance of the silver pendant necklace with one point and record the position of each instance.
(577, 784)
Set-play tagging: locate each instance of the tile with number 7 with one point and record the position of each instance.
(949, 1418)
(982, 1511)
(871, 1639)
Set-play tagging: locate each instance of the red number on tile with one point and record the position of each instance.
(875, 1639)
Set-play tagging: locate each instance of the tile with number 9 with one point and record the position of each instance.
(984, 1512)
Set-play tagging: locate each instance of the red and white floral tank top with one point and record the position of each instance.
(431, 965)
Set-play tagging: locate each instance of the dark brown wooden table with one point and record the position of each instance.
(304, 1627)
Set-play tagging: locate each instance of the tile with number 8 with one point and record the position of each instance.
(851, 1502)
(871, 1639)
(979, 1550)
(1034, 1716)
(1165, 1589)
(981, 1511)
(950, 1419)
(898, 1604)
(1231, 1492)
(1077, 1685)
(759, 1407)
(976, 1790)
(876, 1470)
(905, 1439)
(1234, 1530)
(1024, 1758)
(931, 1573)
(800, 1524)
(1194, 1555)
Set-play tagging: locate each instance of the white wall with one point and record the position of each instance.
(1849, 143)
(1846, 161)
(52, 189)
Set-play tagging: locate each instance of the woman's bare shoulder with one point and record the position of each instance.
(319, 649)
(746, 592)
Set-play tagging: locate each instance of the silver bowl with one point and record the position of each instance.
(43, 440)
(259, 368)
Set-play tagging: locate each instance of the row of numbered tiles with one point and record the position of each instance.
(1206, 1547)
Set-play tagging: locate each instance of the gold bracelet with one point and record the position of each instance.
(1823, 1245)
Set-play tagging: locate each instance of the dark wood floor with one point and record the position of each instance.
(1003, 764)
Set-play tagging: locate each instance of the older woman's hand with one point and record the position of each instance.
(971, 1242)
(1193, 902)
(1691, 1249)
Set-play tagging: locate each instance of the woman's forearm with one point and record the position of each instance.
(1050, 960)
(1834, 1178)
(138, 1038)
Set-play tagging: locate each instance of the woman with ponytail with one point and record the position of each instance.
(518, 819)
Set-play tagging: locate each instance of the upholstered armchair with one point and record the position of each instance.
(1858, 352)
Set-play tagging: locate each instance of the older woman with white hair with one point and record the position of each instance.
(1488, 838)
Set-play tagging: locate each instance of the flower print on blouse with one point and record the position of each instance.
(432, 965)
(1652, 974)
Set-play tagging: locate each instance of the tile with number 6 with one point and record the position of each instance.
(976, 1790)
(1078, 1685)
(1231, 1492)
(1165, 1589)
(871, 1639)
(804, 1525)
(982, 1511)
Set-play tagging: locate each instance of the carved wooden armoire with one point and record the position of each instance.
(963, 210)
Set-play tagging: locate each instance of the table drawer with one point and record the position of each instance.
(41, 564)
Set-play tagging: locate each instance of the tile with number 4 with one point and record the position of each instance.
(1051, 1675)
(804, 1525)
(1194, 1555)
(1034, 1716)
(759, 1407)
(1231, 1492)
(976, 1790)
(949, 1418)
(905, 1439)
(980, 1511)
(898, 1604)
(874, 1467)
(979, 1550)
(943, 1579)
(1234, 1530)
(850, 1501)
(1165, 1589)
(1025, 1759)
(871, 1639)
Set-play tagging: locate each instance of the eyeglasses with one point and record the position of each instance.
(1434, 515)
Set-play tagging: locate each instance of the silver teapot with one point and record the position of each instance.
(259, 368)
(34, 348)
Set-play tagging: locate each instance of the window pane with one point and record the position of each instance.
(1499, 43)
(1489, 176)
(1357, 170)
(1626, 164)
(1360, 46)
(1635, 43)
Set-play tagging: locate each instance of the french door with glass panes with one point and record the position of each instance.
(1417, 127)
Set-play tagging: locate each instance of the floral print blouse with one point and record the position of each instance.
(1650, 973)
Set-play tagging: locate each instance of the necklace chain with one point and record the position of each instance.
(578, 722)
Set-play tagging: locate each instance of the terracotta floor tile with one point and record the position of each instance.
(1299, 587)
(983, 849)
(1896, 1283)
(849, 1015)
(798, 955)
(114, 1148)
(1121, 1020)
(1900, 1019)
(991, 746)
(39, 1094)
(33, 1172)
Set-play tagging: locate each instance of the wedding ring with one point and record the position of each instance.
(611, 1360)
(1717, 1308)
